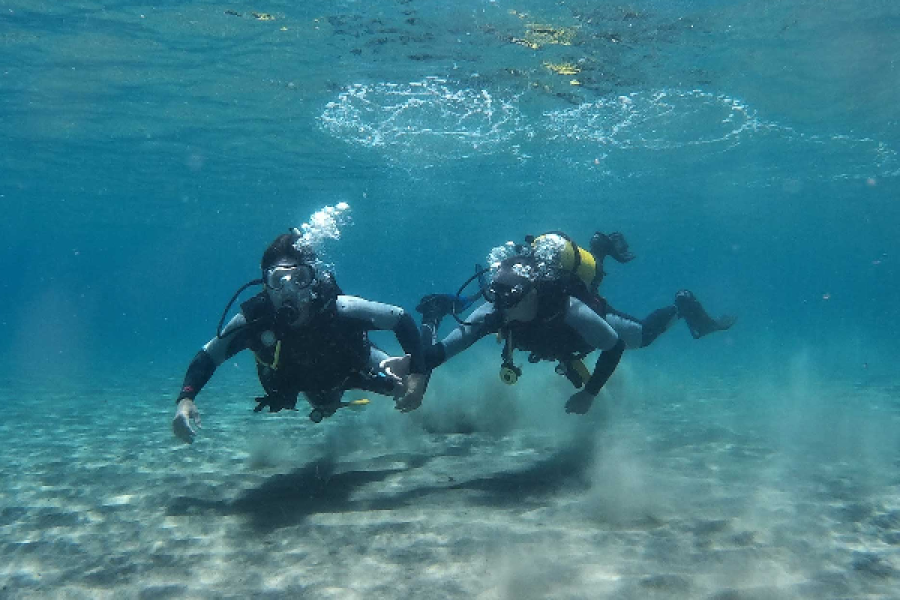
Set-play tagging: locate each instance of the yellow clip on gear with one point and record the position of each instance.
(581, 369)
(275, 360)
(358, 404)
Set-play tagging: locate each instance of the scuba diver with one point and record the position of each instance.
(581, 272)
(558, 268)
(307, 337)
(533, 313)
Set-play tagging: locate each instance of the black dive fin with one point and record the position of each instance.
(697, 319)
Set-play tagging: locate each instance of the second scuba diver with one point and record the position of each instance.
(531, 312)
(307, 337)
(541, 275)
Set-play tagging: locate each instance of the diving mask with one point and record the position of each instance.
(506, 296)
(290, 289)
(289, 277)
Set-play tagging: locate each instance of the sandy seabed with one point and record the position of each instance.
(683, 491)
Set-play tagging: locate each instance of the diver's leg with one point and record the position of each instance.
(657, 323)
(639, 333)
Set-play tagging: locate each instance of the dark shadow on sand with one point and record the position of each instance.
(566, 470)
(286, 500)
(320, 487)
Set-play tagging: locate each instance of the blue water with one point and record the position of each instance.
(149, 153)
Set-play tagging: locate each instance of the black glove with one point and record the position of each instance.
(435, 307)
(275, 403)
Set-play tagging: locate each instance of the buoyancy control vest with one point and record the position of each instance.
(547, 336)
(318, 355)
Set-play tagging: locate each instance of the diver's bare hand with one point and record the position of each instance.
(185, 413)
(415, 391)
(396, 366)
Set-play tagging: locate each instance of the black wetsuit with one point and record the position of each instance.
(565, 328)
(321, 358)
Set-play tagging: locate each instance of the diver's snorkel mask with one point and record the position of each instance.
(289, 277)
(289, 287)
(511, 285)
(505, 297)
(513, 281)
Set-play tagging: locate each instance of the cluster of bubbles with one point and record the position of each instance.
(500, 253)
(661, 120)
(324, 224)
(431, 120)
(546, 254)
(547, 251)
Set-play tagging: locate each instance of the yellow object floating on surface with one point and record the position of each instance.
(565, 68)
(538, 35)
(263, 16)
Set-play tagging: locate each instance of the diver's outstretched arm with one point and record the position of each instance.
(204, 364)
(481, 322)
(386, 317)
(580, 402)
(599, 334)
(377, 315)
